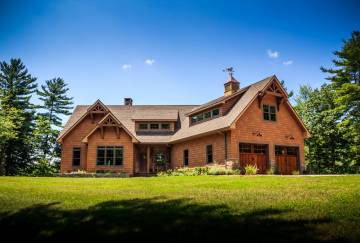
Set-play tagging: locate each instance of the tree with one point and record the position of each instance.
(291, 93)
(16, 89)
(327, 148)
(55, 103)
(345, 79)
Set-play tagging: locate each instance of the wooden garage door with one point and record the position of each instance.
(286, 159)
(254, 154)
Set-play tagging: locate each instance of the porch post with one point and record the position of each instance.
(148, 160)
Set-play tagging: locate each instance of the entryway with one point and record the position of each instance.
(286, 159)
(254, 154)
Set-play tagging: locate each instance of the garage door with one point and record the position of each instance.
(254, 154)
(286, 159)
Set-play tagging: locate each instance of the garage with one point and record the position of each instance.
(286, 159)
(254, 154)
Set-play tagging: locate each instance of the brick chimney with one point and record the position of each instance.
(231, 85)
(128, 101)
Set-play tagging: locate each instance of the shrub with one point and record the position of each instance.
(40, 168)
(270, 171)
(295, 172)
(197, 171)
(251, 170)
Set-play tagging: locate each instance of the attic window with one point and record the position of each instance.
(207, 115)
(143, 126)
(269, 112)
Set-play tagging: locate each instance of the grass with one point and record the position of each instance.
(170, 209)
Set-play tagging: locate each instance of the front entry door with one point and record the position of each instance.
(142, 163)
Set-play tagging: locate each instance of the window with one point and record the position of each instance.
(279, 150)
(76, 157)
(269, 113)
(209, 154)
(207, 115)
(245, 148)
(215, 112)
(186, 157)
(154, 126)
(291, 151)
(143, 126)
(259, 148)
(165, 126)
(110, 155)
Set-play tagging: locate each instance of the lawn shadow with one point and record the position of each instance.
(155, 219)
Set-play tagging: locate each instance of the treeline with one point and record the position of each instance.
(28, 132)
(332, 114)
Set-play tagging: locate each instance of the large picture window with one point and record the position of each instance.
(269, 112)
(109, 155)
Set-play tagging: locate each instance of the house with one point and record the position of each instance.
(255, 124)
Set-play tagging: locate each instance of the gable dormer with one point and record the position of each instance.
(273, 88)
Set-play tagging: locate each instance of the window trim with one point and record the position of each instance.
(79, 149)
(194, 119)
(269, 113)
(114, 157)
(207, 154)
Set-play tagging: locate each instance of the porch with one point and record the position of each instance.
(151, 158)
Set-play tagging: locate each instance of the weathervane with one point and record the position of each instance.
(230, 71)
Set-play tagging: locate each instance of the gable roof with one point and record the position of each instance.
(127, 115)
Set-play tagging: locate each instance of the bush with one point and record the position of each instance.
(251, 170)
(40, 168)
(197, 171)
(270, 171)
(295, 172)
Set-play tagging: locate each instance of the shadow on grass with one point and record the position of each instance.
(155, 219)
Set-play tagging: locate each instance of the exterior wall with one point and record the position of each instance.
(273, 133)
(73, 139)
(110, 139)
(197, 150)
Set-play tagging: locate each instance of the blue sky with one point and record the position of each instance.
(173, 52)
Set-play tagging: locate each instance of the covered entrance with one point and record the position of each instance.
(286, 159)
(254, 154)
(151, 159)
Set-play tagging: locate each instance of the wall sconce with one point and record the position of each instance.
(291, 137)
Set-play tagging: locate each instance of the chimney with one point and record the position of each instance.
(231, 85)
(128, 101)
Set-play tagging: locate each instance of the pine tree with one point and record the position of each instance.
(55, 103)
(346, 80)
(16, 89)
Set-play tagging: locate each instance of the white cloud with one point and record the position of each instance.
(273, 54)
(149, 62)
(289, 62)
(126, 66)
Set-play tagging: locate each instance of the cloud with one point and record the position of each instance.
(273, 54)
(149, 62)
(289, 62)
(126, 66)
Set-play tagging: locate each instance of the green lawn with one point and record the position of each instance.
(168, 209)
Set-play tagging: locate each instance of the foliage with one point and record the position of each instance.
(40, 168)
(332, 115)
(251, 169)
(270, 171)
(197, 171)
(346, 82)
(55, 102)
(295, 172)
(16, 89)
(290, 93)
